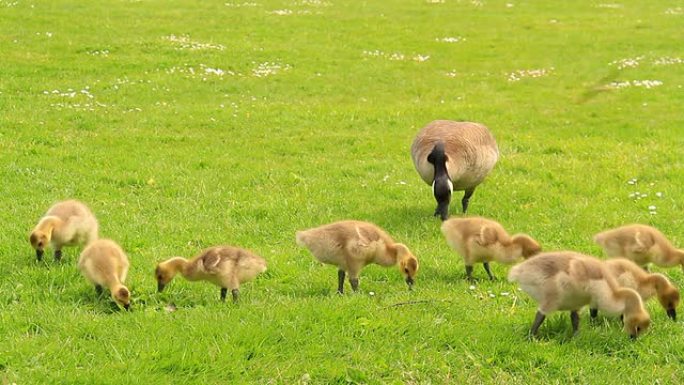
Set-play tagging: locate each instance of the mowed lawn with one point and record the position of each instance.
(186, 124)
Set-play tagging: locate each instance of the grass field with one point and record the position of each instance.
(185, 124)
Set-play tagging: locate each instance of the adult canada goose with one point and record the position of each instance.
(453, 156)
(67, 223)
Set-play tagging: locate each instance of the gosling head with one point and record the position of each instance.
(528, 246)
(636, 324)
(164, 273)
(122, 296)
(669, 299)
(408, 264)
(39, 240)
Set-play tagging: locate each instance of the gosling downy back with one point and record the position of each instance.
(350, 245)
(104, 263)
(66, 223)
(641, 244)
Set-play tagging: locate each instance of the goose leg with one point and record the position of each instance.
(98, 290)
(489, 273)
(235, 293)
(466, 198)
(574, 319)
(354, 277)
(58, 255)
(538, 319)
(224, 291)
(39, 254)
(340, 281)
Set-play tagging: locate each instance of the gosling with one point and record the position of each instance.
(351, 245)
(224, 266)
(105, 264)
(453, 156)
(629, 274)
(484, 240)
(640, 243)
(569, 281)
(67, 223)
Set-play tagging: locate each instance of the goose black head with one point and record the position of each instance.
(441, 185)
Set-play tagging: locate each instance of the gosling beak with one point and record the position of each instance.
(409, 282)
(39, 254)
(127, 306)
(160, 287)
(672, 313)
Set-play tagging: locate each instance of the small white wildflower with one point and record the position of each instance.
(472, 287)
(371, 293)
(659, 194)
(505, 294)
(652, 208)
(510, 5)
(632, 181)
(492, 295)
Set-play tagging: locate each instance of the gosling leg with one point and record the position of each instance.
(538, 319)
(593, 313)
(469, 273)
(340, 281)
(224, 291)
(98, 290)
(574, 319)
(354, 284)
(235, 293)
(58, 255)
(489, 273)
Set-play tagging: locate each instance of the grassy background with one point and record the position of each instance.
(172, 161)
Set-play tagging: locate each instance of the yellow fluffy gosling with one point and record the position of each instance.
(629, 274)
(640, 243)
(224, 266)
(570, 281)
(67, 223)
(453, 156)
(105, 264)
(351, 245)
(484, 240)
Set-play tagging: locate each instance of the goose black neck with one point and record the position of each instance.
(441, 185)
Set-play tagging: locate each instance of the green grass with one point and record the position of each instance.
(171, 163)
